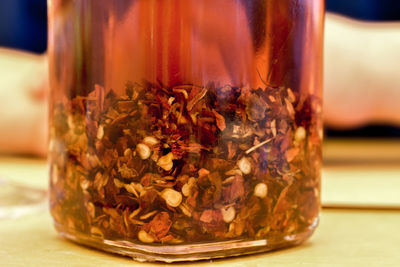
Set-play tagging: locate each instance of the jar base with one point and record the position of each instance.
(186, 252)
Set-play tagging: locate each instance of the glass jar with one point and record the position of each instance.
(186, 129)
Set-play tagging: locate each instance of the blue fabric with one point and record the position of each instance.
(23, 24)
(366, 9)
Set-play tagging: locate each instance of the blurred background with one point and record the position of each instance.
(23, 23)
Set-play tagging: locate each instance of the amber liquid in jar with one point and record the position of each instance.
(184, 130)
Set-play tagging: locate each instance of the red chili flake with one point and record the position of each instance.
(292, 153)
(104, 184)
(235, 190)
(146, 179)
(159, 226)
(196, 98)
(220, 120)
(207, 216)
(232, 149)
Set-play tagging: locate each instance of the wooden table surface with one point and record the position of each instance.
(359, 227)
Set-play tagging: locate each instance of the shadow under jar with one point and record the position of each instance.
(187, 129)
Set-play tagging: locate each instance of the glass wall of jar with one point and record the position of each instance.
(186, 129)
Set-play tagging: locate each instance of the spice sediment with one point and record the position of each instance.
(186, 164)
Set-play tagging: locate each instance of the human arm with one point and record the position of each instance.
(23, 105)
(362, 72)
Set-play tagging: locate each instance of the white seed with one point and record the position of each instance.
(172, 197)
(171, 100)
(148, 215)
(100, 132)
(231, 227)
(273, 128)
(150, 140)
(289, 108)
(244, 165)
(145, 237)
(93, 160)
(85, 184)
(127, 152)
(291, 96)
(165, 162)
(143, 151)
(185, 210)
(186, 189)
(261, 190)
(131, 189)
(136, 222)
(138, 187)
(192, 181)
(300, 134)
(134, 213)
(118, 183)
(228, 214)
(229, 180)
